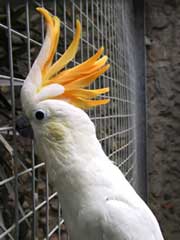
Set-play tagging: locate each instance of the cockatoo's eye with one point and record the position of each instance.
(39, 114)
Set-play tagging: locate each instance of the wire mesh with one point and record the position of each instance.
(28, 206)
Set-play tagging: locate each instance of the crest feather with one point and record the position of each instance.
(72, 80)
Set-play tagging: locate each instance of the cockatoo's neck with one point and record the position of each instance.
(71, 162)
(70, 150)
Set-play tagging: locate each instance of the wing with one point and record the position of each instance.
(124, 222)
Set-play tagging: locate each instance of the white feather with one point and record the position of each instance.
(49, 91)
(34, 79)
(29, 88)
(45, 49)
(97, 201)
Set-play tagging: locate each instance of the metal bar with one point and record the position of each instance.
(34, 195)
(13, 117)
(121, 148)
(29, 214)
(127, 159)
(19, 34)
(116, 134)
(20, 81)
(47, 206)
(99, 30)
(93, 50)
(66, 26)
(4, 78)
(59, 219)
(34, 221)
(20, 174)
(141, 96)
(55, 229)
(47, 178)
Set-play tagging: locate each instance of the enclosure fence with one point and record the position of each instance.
(28, 205)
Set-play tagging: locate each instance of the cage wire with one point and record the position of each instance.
(28, 205)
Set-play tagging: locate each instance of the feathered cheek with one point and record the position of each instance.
(55, 132)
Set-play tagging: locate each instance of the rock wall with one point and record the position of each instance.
(163, 104)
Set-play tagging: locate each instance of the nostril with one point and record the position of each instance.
(24, 128)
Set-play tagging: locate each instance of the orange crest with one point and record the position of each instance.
(75, 79)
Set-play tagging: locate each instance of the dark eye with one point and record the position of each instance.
(39, 114)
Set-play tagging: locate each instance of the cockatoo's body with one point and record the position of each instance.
(97, 201)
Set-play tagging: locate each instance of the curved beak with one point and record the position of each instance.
(24, 128)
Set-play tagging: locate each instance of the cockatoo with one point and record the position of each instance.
(98, 203)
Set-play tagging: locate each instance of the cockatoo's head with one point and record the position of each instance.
(52, 93)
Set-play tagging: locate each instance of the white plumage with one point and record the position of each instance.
(97, 201)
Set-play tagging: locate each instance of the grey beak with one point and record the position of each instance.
(24, 128)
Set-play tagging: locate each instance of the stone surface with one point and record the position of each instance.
(163, 108)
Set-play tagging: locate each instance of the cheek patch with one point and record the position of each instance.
(55, 131)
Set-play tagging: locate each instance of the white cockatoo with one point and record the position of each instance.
(98, 203)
